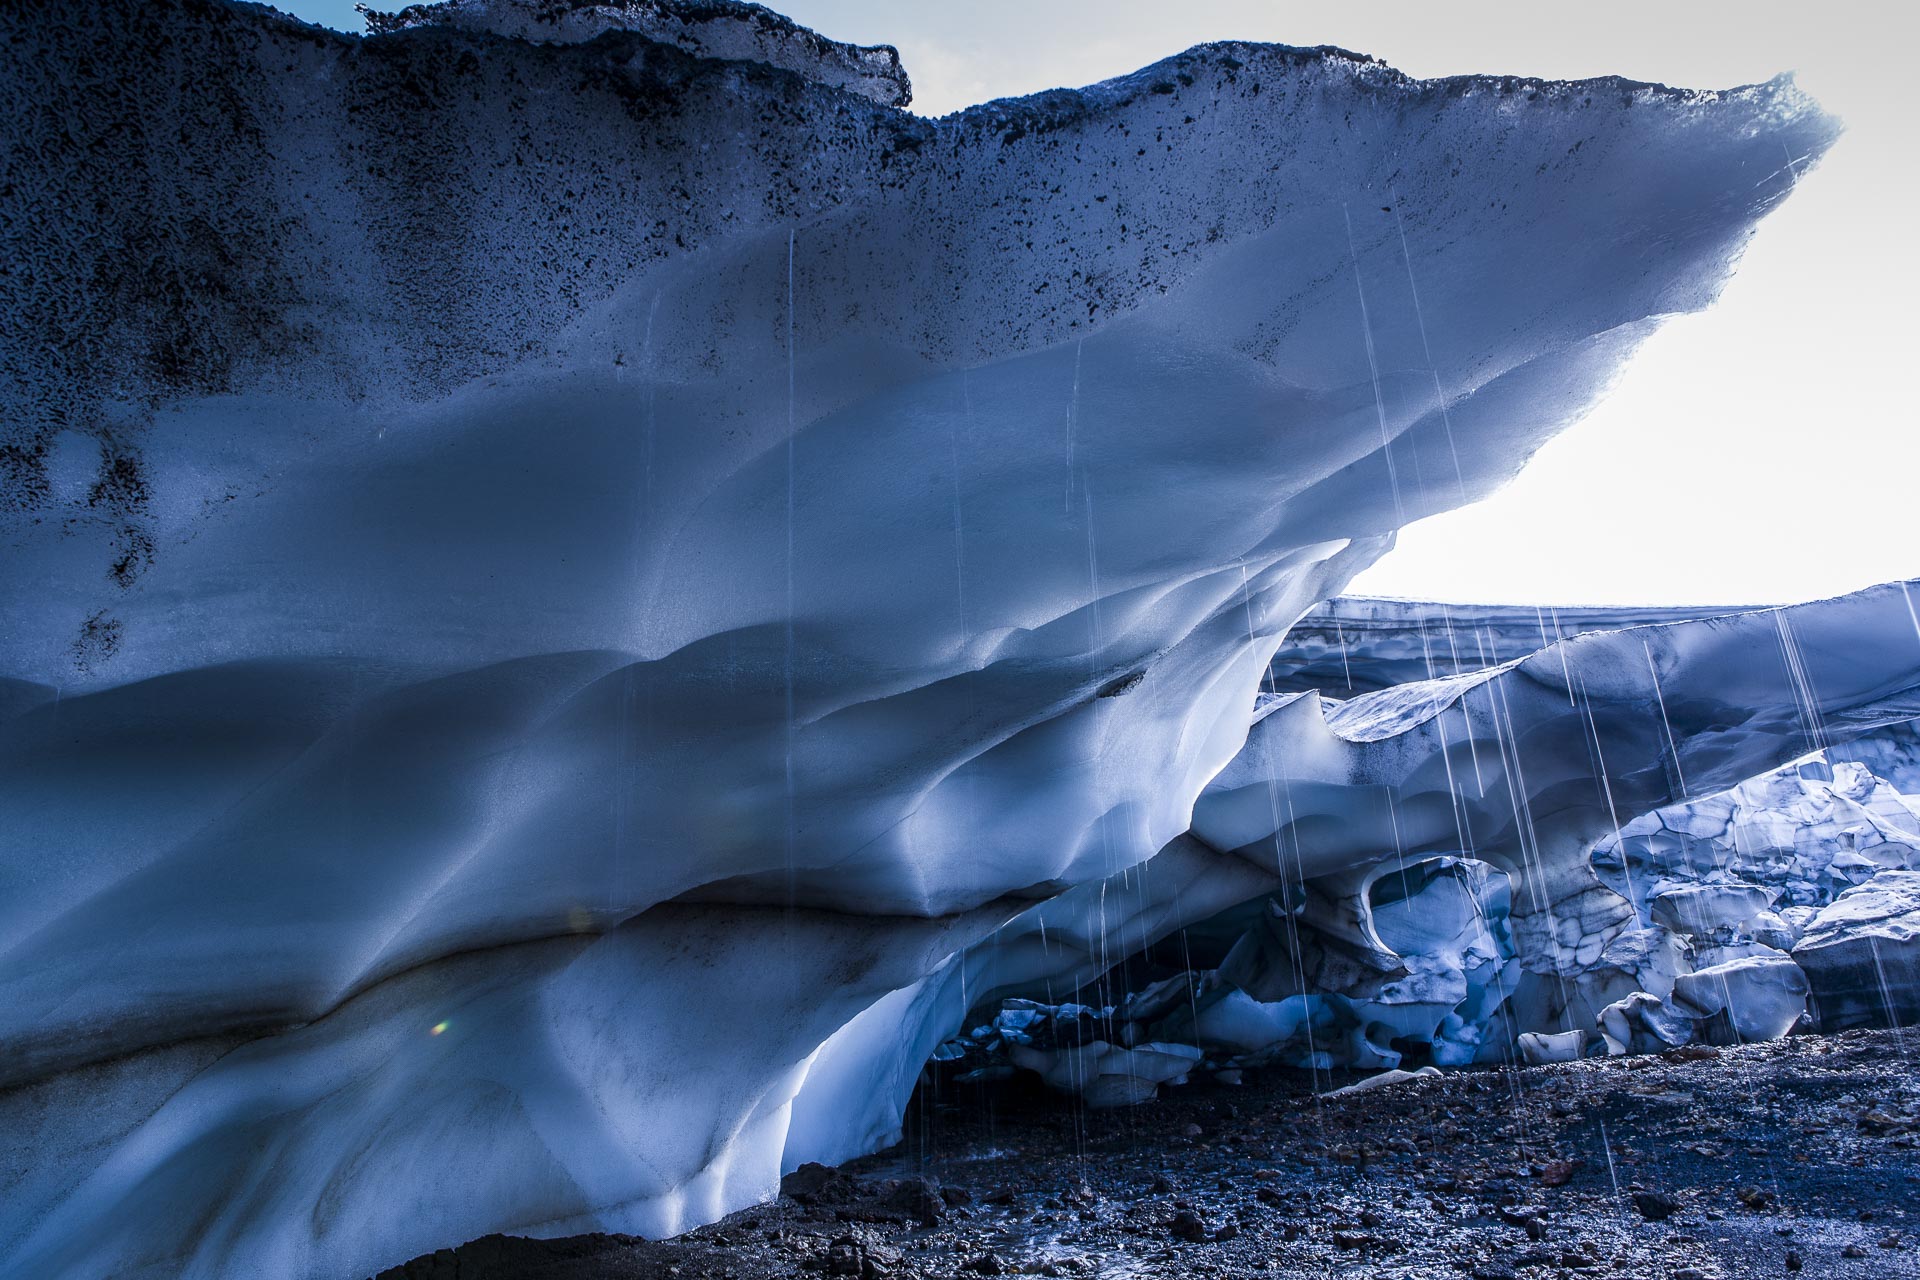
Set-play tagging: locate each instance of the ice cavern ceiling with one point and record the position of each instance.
(580, 588)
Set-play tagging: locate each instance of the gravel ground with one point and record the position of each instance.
(1800, 1155)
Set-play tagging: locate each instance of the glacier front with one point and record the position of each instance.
(1435, 867)
(561, 576)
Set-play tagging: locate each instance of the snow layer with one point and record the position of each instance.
(499, 533)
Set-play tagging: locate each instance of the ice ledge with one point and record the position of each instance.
(723, 29)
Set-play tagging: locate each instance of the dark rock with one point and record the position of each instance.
(845, 1257)
(1520, 1215)
(1655, 1206)
(1189, 1226)
(918, 1199)
(816, 1184)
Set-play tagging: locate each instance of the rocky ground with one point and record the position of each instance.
(1800, 1155)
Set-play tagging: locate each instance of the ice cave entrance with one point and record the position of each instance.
(1446, 918)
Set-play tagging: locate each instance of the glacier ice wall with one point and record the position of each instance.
(515, 545)
(1361, 644)
(1861, 953)
(1526, 765)
(1427, 864)
(1805, 833)
(1741, 874)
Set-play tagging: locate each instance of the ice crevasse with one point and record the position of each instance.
(557, 582)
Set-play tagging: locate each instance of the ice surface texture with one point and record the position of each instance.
(1862, 954)
(503, 536)
(1428, 874)
(726, 29)
(1360, 644)
(1817, 858)
(1525, 765)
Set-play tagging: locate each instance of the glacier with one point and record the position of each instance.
(580, 585)
(1441, 866)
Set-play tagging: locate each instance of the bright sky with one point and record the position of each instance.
(1765, 451)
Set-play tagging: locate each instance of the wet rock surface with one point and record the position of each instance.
(1800, 1155)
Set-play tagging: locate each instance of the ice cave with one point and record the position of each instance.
(592, 611)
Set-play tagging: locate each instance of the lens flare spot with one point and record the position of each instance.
(437, 1028)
